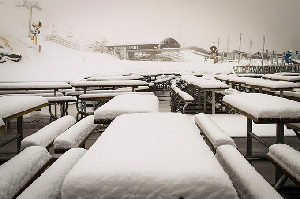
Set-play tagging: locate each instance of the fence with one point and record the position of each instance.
(267, 69)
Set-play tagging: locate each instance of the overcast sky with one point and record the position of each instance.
(191, 22)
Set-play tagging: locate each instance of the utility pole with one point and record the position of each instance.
(250, 51)
(240, 48)
(218, 43)
(262, 56)
(228, 49)
(179, 24)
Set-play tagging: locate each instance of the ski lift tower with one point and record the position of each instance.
(29, 5)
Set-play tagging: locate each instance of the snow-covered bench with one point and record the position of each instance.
(49, 184)
(287, 160)
(45, 136)
(20, 171)
(246, 180)
(178, 97)
(76, 135)
(126, 104)
(212, 132)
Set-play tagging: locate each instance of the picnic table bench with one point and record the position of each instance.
(63, 101)
(212, 132)
(179, 99)
(20, 171)
(246, 180)
(12, 107)
(49, 184)
(45, 136)
(76, 135)
(287, 160)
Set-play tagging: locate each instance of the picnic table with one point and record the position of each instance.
(111, 78)
(111, 84)
(32, 86)
(140, 156)
(12, 107)
(206, 86)
(126, 104)
(264, 109)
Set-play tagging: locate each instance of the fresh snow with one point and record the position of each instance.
(33, 85)
(204, 83)
(11, 105)
(212, 131)
(247, 181)
(110, 78)
(46, 135)
(109, 83)
(149, 155)
(125, 104)
(48, 185)
(76, 134)
(20, 169)
(286, 157)
(264, 106)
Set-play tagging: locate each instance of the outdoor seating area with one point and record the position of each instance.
(116, 141)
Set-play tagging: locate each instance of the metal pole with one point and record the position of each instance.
(250, 50)
(249, 137)
(262, 56)
(240, 48)
(29, 25)
(228, 49)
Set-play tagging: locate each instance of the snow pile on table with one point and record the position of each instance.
(212, 131)
(127, 103)
(286, 157)
(235, 125)
(264, 106)
(19, 104)
(20, 169)
(48, 185)
(203, 82)
(47, 134)
(109, 83)
(149, 155)
(76, 134)
(246, 180)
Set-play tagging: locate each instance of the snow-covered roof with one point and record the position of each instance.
(264, 106)
(137, 42)
(140, 159)
(127, 103)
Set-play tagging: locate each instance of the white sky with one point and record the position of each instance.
(202, 21)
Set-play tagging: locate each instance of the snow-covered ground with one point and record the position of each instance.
(58, 63)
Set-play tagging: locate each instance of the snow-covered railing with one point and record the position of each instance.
(267, 69)
(246, 180)
(49, 184)
(67, 43)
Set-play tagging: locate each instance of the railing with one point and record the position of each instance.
(267, 69)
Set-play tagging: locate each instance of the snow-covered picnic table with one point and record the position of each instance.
(277, 77)
(206, 86)
(264, 109)
(12, 107)
(134, 158)
(272, 85)
(110, 78)
(34, 86)
(126, 104)
(111, 84)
